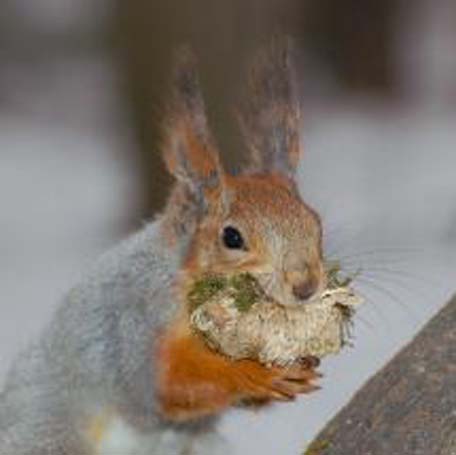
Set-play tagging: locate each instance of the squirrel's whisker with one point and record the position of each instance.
(392, 296)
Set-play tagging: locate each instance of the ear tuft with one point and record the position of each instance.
(186, 97)
(270, 118)
(188, 149)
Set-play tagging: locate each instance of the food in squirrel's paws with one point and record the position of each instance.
(236, 318)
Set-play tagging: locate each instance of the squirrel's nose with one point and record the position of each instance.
(305, 290)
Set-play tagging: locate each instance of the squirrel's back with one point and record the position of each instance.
(90, 360)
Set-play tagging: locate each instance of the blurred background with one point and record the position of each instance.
(82, 85)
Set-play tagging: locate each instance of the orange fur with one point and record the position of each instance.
(196, 382)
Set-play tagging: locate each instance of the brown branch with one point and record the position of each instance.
(409, 407)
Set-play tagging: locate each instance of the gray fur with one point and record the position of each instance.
(95, 354)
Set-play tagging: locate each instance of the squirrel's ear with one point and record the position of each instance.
(270, 116)
(188, 150)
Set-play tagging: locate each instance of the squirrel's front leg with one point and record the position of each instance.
(194, 381)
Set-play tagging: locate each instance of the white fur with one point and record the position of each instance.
(120, 438)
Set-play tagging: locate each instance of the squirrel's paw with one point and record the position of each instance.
(295, 380)
(278, 383)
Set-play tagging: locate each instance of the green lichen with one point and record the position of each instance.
(204, 289)
(247, 291)
(243, 288)
(317, 447)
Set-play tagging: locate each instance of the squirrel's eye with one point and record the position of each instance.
(232, 238)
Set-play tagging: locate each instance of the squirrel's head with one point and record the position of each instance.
(254, 221)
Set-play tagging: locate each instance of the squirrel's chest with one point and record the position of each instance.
(109, 434)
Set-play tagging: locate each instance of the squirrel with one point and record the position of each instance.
(118, 371)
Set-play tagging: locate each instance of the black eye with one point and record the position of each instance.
(232, 238)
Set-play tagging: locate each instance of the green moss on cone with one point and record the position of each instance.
(244, 289)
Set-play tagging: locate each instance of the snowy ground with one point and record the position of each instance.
(384, 180)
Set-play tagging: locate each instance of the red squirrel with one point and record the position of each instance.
(118, 369)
